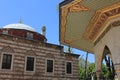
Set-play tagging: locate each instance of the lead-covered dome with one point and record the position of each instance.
(19, 26)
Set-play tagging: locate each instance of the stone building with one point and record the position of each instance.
(92, 26)
(26, 55)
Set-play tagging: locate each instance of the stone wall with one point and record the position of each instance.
(20, 48)
(111, 39)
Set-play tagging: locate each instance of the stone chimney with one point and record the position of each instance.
(44, 31)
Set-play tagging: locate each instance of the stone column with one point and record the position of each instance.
(98, 67)
(118, 72)
(116, 62)
(116, 59)
(98, 51)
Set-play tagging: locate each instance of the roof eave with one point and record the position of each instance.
(65, 2)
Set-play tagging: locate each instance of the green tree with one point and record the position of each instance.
(82, 68)
(91, 70)
(105, 72)
(81, 72)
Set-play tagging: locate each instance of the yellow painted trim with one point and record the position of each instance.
(78, 7)
(104, 26)
(93, 30)
(71, 4)
(64, 13)
(96, 18)
(108, 8)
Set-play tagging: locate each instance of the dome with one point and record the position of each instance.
(19, 26)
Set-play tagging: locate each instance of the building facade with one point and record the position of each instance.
(25, 55)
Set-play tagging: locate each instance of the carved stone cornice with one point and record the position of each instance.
(110, 26)
(99, 21)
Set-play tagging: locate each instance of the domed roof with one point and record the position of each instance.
(19, 26)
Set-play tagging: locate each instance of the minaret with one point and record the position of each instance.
(44, 31)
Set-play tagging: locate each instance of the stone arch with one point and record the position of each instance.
(30, 59)
(101, 51)
(112, 40)
(109, 40)
(30, 53)
(7, 49)
(98, 50)
(106, 51)
(107, 56)
(49, 55)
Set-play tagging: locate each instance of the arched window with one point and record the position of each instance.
(68, 67)
(7, 58)
(49, 64)
(30, 61)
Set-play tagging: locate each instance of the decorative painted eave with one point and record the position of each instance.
(101, 18)
(71, 6)
(82, 21)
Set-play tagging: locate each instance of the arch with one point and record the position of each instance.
(106, 51)
(109, 62)
(7, 54)
(99, 50)
(49, 55)
(108, 45)
(7, 49)
(30, 52)
(30, 59)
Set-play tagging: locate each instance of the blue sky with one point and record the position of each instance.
(35, 13)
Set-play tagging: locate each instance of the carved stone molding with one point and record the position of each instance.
(99, 20)
(113, 24)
